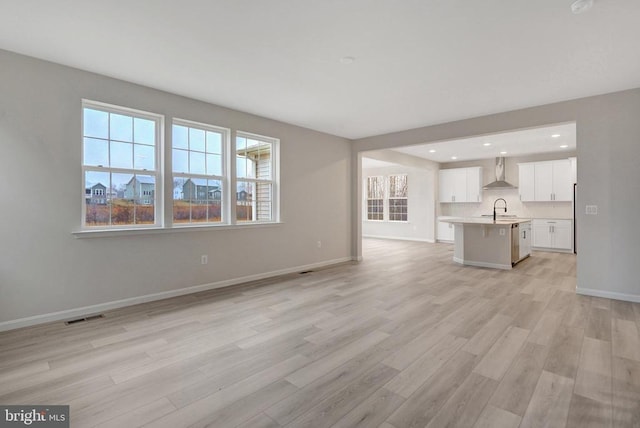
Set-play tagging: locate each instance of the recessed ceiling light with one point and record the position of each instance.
(347, 59)
(564, 146)
(486, 144)
(454, 157)
(555, 135)
(432, 151)
(503, 153)
(581, 6)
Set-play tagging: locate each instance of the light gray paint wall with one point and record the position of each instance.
(421, 201)
(419, 226)
(608, 151)
(44, 268)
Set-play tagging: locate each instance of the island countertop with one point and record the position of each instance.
(484, 220)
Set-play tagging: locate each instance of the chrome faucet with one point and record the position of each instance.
(494, 207)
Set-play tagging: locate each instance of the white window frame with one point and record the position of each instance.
(163, 175)
(382, 198)
(224, 200)
(389, 198)
(157, 173)
(274, 181)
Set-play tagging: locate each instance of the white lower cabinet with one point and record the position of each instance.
(446, 231)
(552, 234)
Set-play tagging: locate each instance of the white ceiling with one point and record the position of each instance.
(508, 144)
(417, 62)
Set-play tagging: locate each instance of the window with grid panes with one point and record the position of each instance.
(198, 166)
(375, 198)
(398, 195)
(120, 167)
(255, 184)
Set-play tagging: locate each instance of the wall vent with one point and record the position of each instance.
(83, 319)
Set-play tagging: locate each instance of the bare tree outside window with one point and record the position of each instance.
(375, 198)
(398, 194)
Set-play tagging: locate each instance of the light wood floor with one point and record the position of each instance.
(406, 338)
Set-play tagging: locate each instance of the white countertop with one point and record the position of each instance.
(484, 220)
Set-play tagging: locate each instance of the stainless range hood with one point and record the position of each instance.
(500, 183)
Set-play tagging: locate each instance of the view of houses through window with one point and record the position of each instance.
(254, 173)
(387, 198)
(119, 166)
(198, 165)
(121, 171)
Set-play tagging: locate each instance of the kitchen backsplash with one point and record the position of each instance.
(514, 206)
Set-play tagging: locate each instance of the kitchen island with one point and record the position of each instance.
(485, 242)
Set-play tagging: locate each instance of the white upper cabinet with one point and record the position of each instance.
(526, 181)
(461, 185)
(474, 184)
(546, 181)
(453, 185)
(574, 170)
(562, 184)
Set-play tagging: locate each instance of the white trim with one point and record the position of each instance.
(482, 264)
(398, 238)
(552, 250)
(225, 141)
(275, 174)
(609, 294)
(101, 307)
(188, 227)
(157, 173)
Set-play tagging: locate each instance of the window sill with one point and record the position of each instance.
(107, 233)
(386, 221)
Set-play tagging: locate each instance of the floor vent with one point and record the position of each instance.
(304, 272)
(90, 318)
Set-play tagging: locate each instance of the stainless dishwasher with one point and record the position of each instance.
(515, 244)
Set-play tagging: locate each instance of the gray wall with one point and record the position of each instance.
(608, 151)
(421, 175)
(45, 269)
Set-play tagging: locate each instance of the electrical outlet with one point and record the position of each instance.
(591, 210)
(319, 244)
(503, 232)
(204, 259)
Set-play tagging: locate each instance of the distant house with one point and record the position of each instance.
(200, 193)
(95, 194)
(177, 192)
(140, 189)
(258, 156)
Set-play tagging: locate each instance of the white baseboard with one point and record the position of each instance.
(552, 250)
(398, 238)
(608, 294)
(482, 264)
(101, 307)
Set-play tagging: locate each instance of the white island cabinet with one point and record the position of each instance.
(445, 232)
(487, 243)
